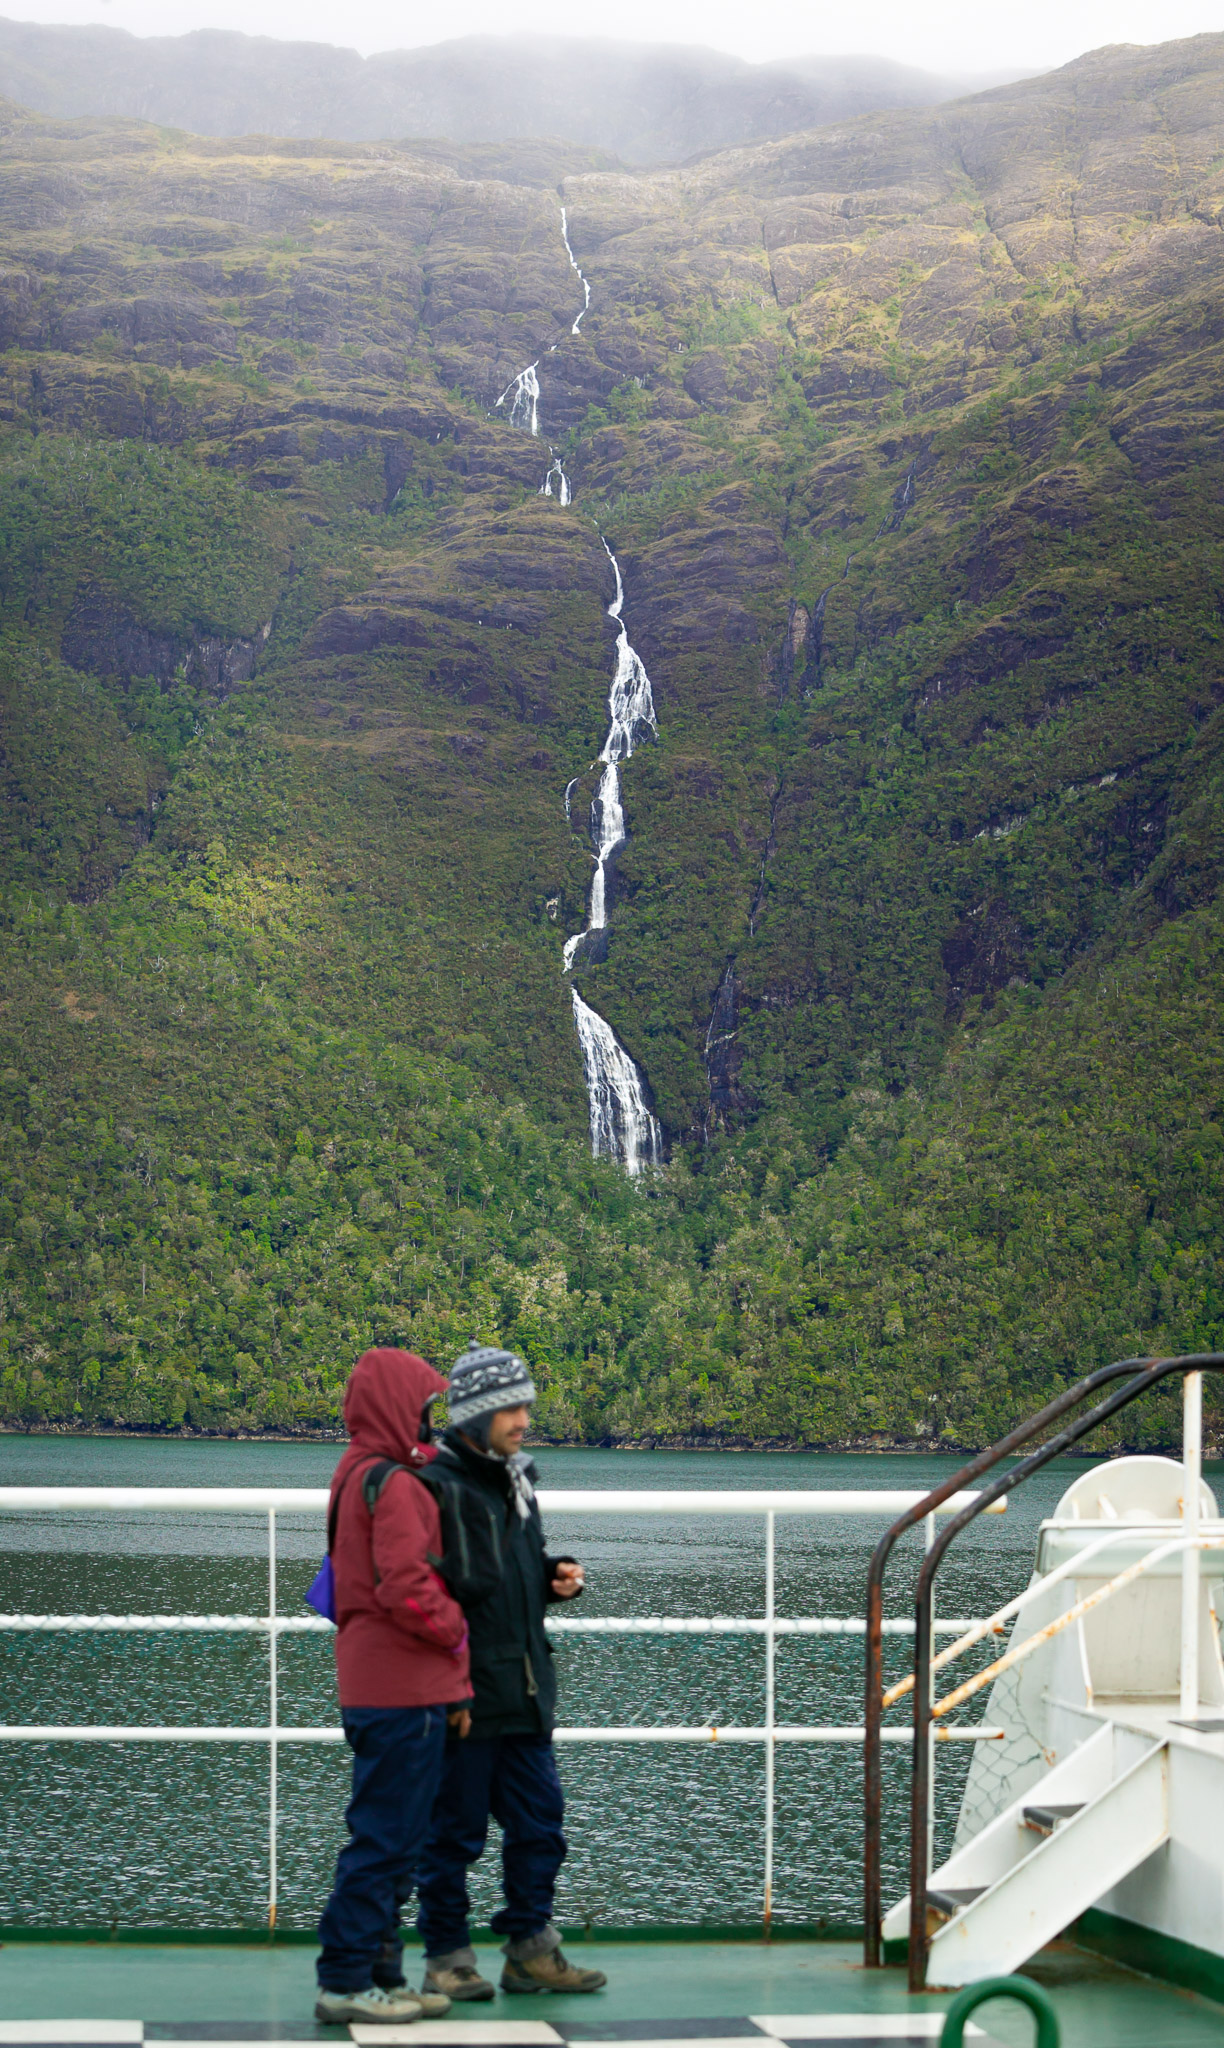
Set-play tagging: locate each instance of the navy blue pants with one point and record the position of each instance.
(397, 1764)
(513, 1780)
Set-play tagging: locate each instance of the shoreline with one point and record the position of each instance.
(846, 1447)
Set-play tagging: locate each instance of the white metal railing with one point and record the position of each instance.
(273, 1501)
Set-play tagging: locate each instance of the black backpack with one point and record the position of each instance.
(473, 1532)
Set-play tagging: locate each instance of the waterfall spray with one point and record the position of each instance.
(621, 1125)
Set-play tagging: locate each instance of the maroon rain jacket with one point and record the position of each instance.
(401, 1640)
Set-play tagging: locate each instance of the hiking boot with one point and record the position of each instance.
(549, 1972)
(460, 1981)
(373, 2006)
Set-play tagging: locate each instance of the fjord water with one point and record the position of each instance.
(177, 1836)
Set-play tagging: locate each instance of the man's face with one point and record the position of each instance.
(507, 1429)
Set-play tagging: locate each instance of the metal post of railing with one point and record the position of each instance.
(769, 1718)
(273, 1719)
(1192, 1479)
(929, 1531)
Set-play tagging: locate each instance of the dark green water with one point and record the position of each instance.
(177, 1836)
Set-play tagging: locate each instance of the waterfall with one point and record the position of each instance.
(564, 494)
(631, 701)
(523, 392)
(621, 1123)
(586, 289)
(622, 1126)
(632, 715)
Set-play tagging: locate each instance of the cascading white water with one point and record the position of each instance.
(564, 494)
(621, 1125)
(631, 700)
(631, 707)
(524, 395)
(586, 289)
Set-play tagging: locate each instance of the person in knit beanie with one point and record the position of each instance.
(504, 1767)
(484, 1381)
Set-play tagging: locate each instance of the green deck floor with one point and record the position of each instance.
(1099, 2004)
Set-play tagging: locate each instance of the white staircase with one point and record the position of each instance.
(1045, 1859)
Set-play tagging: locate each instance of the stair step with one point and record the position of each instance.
(947, 1904)
(1044, 1819)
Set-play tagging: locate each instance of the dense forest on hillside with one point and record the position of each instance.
(906, 436)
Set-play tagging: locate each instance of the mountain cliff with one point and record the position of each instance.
(904, 434)
(645, 103)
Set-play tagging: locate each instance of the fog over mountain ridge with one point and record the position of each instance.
(643, 103)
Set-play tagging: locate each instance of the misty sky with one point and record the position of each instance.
(945, 35)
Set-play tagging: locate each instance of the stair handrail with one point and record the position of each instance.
(873, 1704)
(1072, 1567)
(1019, 1651)
(1151, 1372)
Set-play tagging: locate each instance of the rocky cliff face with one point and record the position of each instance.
(905, 434)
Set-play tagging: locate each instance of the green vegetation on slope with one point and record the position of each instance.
(922, 546)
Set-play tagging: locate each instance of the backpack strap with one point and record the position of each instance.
(373, 1479)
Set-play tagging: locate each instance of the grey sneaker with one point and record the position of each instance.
(460, 1981)
(372, 2006)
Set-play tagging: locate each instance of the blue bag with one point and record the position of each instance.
(321, 1593)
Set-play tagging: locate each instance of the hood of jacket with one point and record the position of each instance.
(383, 1405)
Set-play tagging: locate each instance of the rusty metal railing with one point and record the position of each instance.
(1141, 1375)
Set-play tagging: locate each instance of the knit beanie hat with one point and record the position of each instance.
(484, 1379)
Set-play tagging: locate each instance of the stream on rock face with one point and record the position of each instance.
(622, 1125)
(621, 1122)
(586, 289)
(524, 394)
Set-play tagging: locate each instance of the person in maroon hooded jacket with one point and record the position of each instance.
(402, 1664)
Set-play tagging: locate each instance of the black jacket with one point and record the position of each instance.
(513, 1678)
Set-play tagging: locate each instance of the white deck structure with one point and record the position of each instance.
(1107, 1791)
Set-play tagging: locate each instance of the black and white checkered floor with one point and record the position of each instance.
(759, 2030)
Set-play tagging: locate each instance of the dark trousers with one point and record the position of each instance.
(397, 1763)
(513, 1779)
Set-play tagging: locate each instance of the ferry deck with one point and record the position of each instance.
(61, 1988)
(720, 1991)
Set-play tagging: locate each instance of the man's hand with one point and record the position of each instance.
(460, 1721)
(569, 1581)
